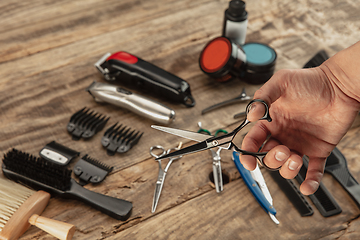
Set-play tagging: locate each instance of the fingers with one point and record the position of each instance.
(314, 175)
(292, 166)
(281, 156)
(252, 142)
(291, 163)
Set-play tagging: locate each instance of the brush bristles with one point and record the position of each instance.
(37, 169)
(12, 196)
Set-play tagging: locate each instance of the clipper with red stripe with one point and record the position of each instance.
(128, 69)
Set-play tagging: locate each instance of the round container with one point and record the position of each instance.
(222, 59)
(260, 64)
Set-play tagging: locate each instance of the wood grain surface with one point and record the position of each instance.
(48, 50)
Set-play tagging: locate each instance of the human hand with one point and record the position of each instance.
(310, 116)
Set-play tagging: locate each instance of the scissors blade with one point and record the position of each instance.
(156, 198)
(158, 187)
(259, 178)
(199, 137)
(190, 149)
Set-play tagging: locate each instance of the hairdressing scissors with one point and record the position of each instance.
(224, 141)
(162, 172)
(217, 172)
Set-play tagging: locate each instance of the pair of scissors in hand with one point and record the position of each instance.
(162, 172)
(217, 172)
(223, 141)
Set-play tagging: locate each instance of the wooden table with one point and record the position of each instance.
(48, 50)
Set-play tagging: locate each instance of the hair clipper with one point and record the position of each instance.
(133, 71)
(104, 92)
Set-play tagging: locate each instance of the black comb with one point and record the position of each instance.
(322, 198)
(119, 139)
(86, 123)
(293, 194)
(40, 174)
(336, 165)
(91, 170)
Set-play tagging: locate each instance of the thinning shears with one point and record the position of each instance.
(162, 172)
(223, 141)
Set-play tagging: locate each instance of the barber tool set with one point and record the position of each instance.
(223, 58)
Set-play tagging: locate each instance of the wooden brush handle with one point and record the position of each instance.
(18, 223)
(61, 230)
(34, 205)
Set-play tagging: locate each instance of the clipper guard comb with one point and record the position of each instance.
(119, 139)
(90, 170)
(86, 123)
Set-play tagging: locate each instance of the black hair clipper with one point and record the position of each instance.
(133, 71)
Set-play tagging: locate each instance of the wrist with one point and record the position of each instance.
(343, 70)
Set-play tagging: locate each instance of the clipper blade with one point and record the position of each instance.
(120, 139)
(86, 123)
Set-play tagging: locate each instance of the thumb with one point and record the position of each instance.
(274, 87)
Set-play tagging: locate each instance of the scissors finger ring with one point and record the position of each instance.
(157, 147)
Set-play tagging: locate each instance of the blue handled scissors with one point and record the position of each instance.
(162, 172)
(223, 141)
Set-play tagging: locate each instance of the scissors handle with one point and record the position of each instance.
(258, 155)
(266, 115)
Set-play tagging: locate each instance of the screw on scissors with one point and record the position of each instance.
(162, 172)
(224, 141)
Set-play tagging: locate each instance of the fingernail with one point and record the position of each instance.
(313, 185)
(252, 107)
(280, 156)
(293, 165)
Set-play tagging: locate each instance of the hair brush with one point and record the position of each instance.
(40, 174)
(21, 206)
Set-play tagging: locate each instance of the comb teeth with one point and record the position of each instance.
(119, 139)
(86, 123)
(91, 170)
(37, 169)
(97, 163)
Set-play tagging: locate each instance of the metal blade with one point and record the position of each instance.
(199, 137)
(272, 216)
(241, 98)
(190, 149)
(158, 188)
